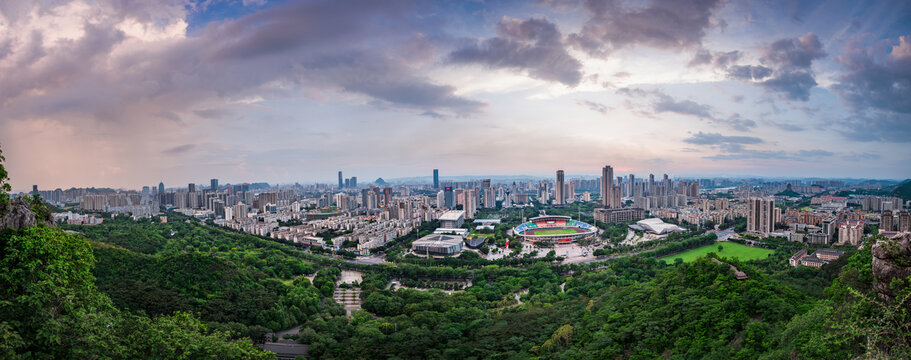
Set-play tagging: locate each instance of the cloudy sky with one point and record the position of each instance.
(126, 93)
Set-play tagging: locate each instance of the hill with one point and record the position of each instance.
(903, 190)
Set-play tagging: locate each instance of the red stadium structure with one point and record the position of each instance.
(556, 228)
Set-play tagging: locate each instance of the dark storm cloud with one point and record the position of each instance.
(786, 67)
(876, 79)
(533, 46)
(594, 106)
(718, 59)
(735, 148)
(787, 126)
(792, 85)
(40, 71)
(882, 126)
(737, 122)
(661, 24)
(794, 53)
(702, 138)
(746, 154)
(664, 103)
(177, 150)
(212, 113)
(294, 43)
(748, 72)
(876, 85)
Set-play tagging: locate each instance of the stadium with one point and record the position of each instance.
(561, 229)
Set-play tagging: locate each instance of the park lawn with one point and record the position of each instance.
(555, 232)
(731, 250)
(474, 234)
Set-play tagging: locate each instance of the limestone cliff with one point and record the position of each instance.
(18, 214)
(892, 261)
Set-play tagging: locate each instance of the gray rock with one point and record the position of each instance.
(18, 216)
(891, 260)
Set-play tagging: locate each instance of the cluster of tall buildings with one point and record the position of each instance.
(347, 183)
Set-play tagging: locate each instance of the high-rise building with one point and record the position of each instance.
(693, 189)
(387, 197)
(851, 232)
(161, 192)
(761, 215)
(886, 220)
(191, 187)
(632, 185)
(607, 186)
(904, 221)
(436, 178)
(468, 202)
(448, 196)
(340, 184)
(490, 198)
(213, 184)
(240, 211)
(354, 182)
(559, 190)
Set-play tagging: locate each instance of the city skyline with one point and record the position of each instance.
(105, 94)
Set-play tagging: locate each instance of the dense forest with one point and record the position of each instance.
(632, 307)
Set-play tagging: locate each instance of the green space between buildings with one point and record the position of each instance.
(729, 249)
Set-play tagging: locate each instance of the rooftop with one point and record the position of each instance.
(453, 215)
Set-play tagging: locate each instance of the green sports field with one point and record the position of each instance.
(555, 232)
(732, 250)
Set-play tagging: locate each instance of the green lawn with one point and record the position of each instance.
(555, 232)
(732, 250)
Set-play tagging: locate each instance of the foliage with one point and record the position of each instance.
(4, 185)
(50, 309)
(224, 277)
(903, 190)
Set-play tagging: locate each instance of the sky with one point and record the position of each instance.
(126, 93)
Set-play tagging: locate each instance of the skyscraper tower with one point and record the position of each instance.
(191, 187)
(632, 185)
(607, 186)
(559, 196)
(436, 178)
(213, 184)
(341, 184)
(448, 197)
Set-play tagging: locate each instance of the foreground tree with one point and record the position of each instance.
(50, 309)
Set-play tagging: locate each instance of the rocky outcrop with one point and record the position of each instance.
(891, 260)
(17, 215)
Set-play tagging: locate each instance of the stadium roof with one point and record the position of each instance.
(550, 217)
(439, 239)
(453, 215)
(656, 226)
